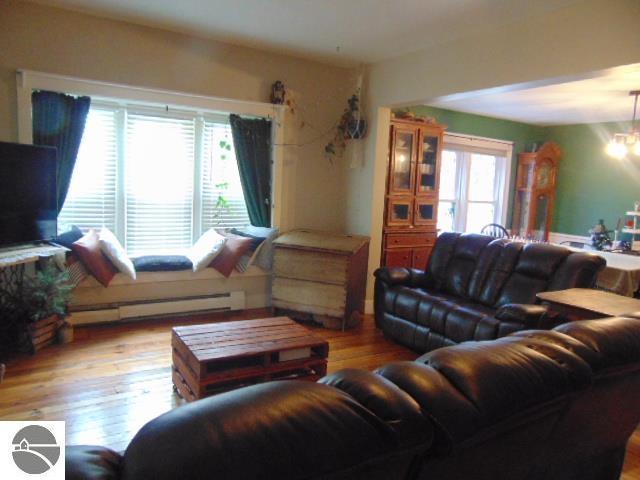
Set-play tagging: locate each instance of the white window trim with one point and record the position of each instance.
(28, 80)
(452, 139)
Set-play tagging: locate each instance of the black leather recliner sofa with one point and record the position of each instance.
(475, 288)
(535, 405)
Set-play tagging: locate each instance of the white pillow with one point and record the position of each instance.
(114, 251)
(208, 246)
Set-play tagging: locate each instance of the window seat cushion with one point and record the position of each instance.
(162, 263)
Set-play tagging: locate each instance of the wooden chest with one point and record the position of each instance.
(320, 275)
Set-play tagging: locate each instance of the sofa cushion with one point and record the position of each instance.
(532, 273)
(463, 263)
(495, 265)
(162, 263)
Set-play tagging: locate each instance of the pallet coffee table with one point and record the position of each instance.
(215, 357)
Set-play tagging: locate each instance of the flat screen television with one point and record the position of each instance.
(28, 193)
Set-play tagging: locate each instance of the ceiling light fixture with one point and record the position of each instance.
(623, 143)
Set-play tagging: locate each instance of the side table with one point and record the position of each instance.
(586, 303)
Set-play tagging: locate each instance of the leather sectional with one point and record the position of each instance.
(475, 288)
(552, 405)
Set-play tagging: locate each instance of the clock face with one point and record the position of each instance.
(544, 176)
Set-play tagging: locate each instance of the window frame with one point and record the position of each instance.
(468, 144)
(28, 81)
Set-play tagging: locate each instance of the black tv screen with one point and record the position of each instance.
(28, 193)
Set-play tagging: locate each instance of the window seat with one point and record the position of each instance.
(168, 292)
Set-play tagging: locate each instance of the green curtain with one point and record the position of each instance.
(252, 143)
(58, 121)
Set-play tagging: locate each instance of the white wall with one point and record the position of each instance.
(52, 40)
(584, 37)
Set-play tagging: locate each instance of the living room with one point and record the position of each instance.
(481, 70)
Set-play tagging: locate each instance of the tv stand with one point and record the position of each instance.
(27, 253)
(13, 261)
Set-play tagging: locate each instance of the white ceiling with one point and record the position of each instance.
(602, 98)
(364, 30)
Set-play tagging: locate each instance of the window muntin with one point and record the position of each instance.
(157, 178)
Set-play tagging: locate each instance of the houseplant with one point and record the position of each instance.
(42, 303)
(351, 126)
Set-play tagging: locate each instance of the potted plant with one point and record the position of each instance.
(351, 126)
(43, 301)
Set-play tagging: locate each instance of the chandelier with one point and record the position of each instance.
(623, 143)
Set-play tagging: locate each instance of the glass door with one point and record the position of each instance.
(402, 170)
(427, 165)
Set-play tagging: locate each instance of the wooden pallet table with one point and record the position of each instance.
(216, 357)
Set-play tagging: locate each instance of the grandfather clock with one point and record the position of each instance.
(536, 192)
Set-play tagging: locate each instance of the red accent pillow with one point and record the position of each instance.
(88, 251)
(233, 249)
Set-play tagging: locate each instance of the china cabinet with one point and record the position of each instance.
(411, 200)
(535, 192)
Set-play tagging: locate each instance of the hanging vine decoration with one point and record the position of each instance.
(351, 126)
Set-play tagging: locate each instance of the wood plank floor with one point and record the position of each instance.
(113, 379)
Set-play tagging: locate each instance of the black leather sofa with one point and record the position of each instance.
(475, 288)
(552, 405)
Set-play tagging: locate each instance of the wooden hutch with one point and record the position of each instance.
(536, 192)
(411, 200)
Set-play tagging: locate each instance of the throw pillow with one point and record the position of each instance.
(114, 251)
(205, 249)
(263, 237)
(90, 254)
(66, 239)
(76, 270)
(233, 249)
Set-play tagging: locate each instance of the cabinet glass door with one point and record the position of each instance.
(402, 168)
(427, 164)
(399, 211)
(425, 212)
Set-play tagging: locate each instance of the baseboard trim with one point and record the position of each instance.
(230, 302)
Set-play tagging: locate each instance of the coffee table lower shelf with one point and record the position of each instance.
(213, 358)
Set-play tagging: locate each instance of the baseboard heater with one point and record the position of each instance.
(150, 308)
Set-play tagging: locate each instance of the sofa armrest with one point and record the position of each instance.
(526, 314)
(92, 463)
(409, 277)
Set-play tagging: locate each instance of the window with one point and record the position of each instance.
(156, 178)
(474, 176)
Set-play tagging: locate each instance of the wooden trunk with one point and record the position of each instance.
(320, 275)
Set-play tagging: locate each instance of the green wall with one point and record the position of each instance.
(591, 185)
(521, 134)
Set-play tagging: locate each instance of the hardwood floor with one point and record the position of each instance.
(113, 379)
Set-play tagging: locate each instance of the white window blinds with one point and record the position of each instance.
(91, 200)
(159, 166)
(157, 178)
(222, 199)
